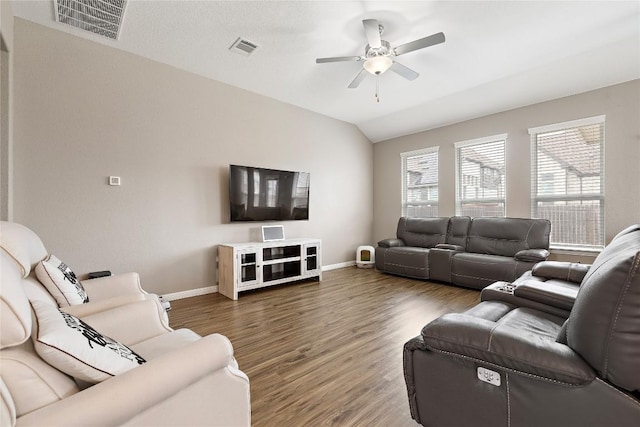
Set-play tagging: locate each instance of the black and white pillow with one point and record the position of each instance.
(61, 282)
(75, 348)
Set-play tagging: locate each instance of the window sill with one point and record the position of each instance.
(568, 250)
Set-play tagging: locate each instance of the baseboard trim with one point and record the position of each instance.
(338, 265)
(213, 289)
(191, 293)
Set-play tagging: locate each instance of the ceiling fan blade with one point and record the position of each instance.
(361, 75)
(419, 44)
(405, 72)
(372, 30)
(338, 59)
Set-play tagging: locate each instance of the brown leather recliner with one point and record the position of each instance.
(498, 364)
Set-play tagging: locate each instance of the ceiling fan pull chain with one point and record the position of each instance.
(378, 88)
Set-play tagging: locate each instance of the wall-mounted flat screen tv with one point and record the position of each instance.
(259, 194)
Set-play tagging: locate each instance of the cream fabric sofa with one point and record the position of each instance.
(186, 380)
(26, 249)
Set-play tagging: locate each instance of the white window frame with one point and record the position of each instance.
(533, 132)
(480, 141)
(404, 157)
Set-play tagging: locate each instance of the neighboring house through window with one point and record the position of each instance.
(420, 183)
(480, 176)
(567, 182)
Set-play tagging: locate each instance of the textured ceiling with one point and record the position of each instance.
(498, 55)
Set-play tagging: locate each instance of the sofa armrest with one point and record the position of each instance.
(449, 247)
(569, 271)
(147, 388)
(117, 285)
(532, 255)
(390, 243)
(509, 348)
(117, 322)
(554, 293)
(91, 307)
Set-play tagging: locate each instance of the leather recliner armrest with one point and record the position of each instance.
(449, 247)
(391, 243)
(532, 255)
(569, 271)
(554, 293)
(480, 339)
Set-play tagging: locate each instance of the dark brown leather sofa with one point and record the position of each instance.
(504, 364)
(471, 252)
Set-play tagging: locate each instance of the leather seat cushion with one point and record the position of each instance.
(480, 270)
(407, 261)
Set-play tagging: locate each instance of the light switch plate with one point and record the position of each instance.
(114, 180)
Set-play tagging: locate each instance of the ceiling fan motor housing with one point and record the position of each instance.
(383, 50)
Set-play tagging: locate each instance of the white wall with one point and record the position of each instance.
(84, 111)
(620, 104)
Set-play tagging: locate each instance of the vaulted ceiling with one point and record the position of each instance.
(498, 55)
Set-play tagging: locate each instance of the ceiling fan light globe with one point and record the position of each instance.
(377, 65)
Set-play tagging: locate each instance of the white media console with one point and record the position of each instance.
(245, 266)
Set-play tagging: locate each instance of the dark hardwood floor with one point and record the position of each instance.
(325, 353)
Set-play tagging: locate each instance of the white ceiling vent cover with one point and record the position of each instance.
(102, 17)
(243, 47)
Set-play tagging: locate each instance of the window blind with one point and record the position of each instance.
(568, 182)
(480, 177)
(420, 183)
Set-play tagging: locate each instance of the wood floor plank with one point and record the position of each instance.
(325, 353)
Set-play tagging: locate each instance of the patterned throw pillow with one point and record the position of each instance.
(75, 348)
(61, 282)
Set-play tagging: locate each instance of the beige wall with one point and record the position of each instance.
(84, 111)
(620, 104)
(6, 76)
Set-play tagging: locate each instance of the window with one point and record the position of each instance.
(420, 183)
(300, 189)
(568, 181)
(480, 177)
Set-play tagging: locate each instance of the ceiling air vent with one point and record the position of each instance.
(102, 17)
(243, 47)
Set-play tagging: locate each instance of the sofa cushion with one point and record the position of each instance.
(458, 231)
(77, 349)
(422, 232)
(480, 270)
(7, 407)
(33, 382)
(15, 312)
(604, 324)
(507, 236)
(406, 261)
(61, 282)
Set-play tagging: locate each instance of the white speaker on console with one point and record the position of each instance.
(271, 233)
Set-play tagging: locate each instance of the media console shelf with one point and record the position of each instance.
(244, 266)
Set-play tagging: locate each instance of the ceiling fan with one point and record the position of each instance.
(378, 56)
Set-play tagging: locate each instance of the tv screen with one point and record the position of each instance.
(259, 194)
